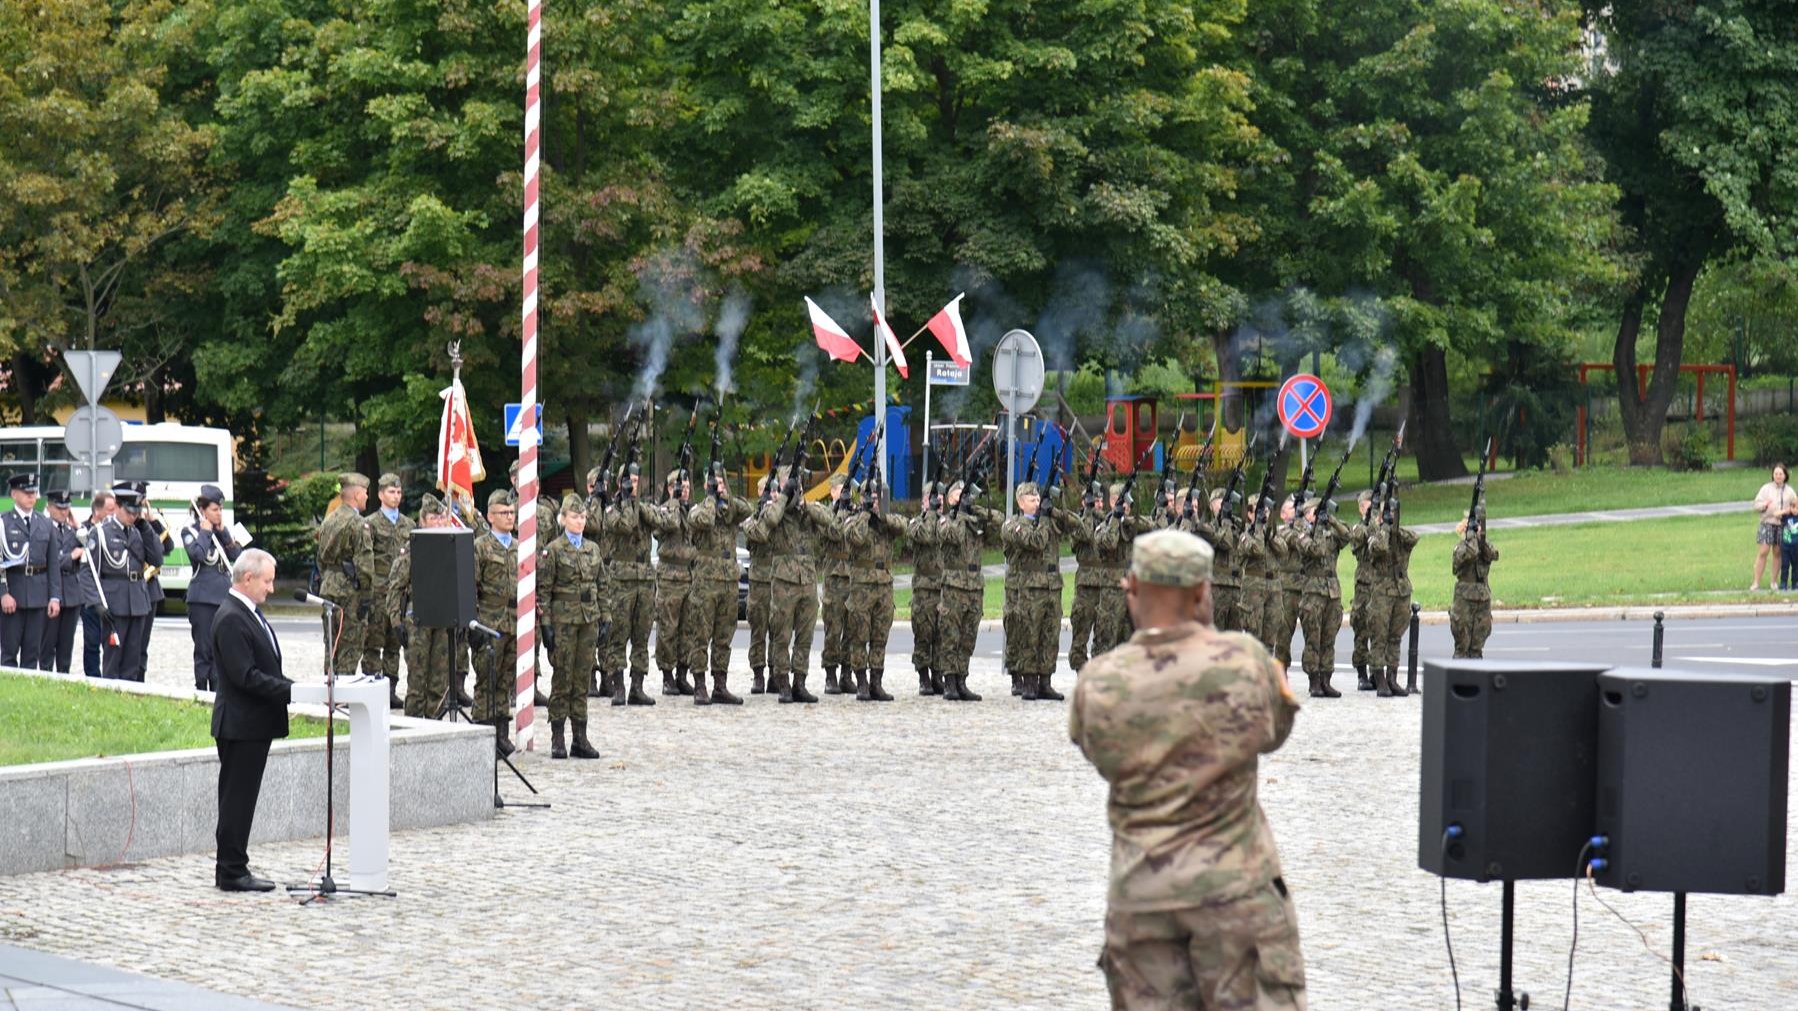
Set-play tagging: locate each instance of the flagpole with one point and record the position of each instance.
(913, 337)
(880, 281)
(524, 659)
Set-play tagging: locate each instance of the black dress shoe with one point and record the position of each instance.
(247, 883)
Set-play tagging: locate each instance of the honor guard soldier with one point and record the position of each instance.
(833, 554)
(1470, 619)
(32, 572)
(1098, 568)
(1390, 549)
(1218, 529)
(873, 539)
(568, 575)
(1197, 914)
(1289, 564)
(761, 583)
(792, 528)
(674, 583)
(1360, 624)
(210, 550)
(346, 559)
(1032, 541)
(496, 606)
(1320, 609)
(100, 506)
(58, 651)
(963, 533)
(630, 524)
(120, 549)
(388, 531)
(926, 583)
(151, 524)
(713, 610)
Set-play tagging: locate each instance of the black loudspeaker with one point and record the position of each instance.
(1510, 757)
(1692, 781)
(442, 577)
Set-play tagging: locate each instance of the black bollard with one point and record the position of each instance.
(1660, 633)
(1411, 684)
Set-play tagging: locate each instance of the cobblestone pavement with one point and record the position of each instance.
(916, 854)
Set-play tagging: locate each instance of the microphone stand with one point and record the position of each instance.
(500, 802)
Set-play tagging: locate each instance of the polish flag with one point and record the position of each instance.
(893, 346)
(948, 328)
(458, 455)
(835, 341)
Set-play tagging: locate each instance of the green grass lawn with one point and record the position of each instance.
(1682, 560)
(1538, 492)
(45, 720)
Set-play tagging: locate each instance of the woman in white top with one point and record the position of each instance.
(1775, 500)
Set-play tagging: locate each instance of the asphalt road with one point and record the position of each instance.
(1727, 645)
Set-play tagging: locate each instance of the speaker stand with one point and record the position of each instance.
(499, 802)
(1508, 999)
(1678, 1000)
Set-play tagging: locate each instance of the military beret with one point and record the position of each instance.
(351, 480)
(1028, 488)
(22, 482)
(499, 496)
(1171, 557)
(390, 480)
(59, 499)
(572, 503)
(431, 505)
(838, 480)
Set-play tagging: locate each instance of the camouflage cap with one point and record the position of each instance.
(838, 480)
(1117, 490)
(431, 505)
(674, 477)
(512, 471)
(1171, 558)
(572, 503)
(390, 480)
(1365, 496)
(1310, 504)
(593, 476)
(762, 485)
(499, 496)
(1028, 488)
(351, 480)
(1217, 494)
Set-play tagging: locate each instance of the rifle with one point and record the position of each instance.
(685, 460)
(1479, 492)
(1092, 471)
(774, 467)
(711, 461)
(871, 488)
(1136, 468)
(1167, 463)
(1198, 467)
(605, 462)
(971, 469)
(802, 454)
(862, 455)
(1298, 497)
(1385, 484)
(1229, 506)
(1264, 498)
(635, 441)
(1329, 507)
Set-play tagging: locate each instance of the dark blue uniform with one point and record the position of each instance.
(119, 554)
(32, 572)
(211, 554)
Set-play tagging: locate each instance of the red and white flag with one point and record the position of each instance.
(835, 341)
(458, 455)
(948, 328)
(894, 348)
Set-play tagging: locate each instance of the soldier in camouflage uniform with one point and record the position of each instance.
(568, 599)
(1360, 535)
(1032, 542)
(496, 606)
(927, 571)
(430, 652)
(873, 540)
(713, 611)
(674, 583)
(346, 561)
(963, 532)
(1255, 557)
(1470, 619)
(629, 523)
(761, 582)
(834, 559)
(388, 529)
(1321, 607)
(792, 528)
(1094, 535)
(1219, 530)
(1291, 579)
(1198, 914)
(1390, 609)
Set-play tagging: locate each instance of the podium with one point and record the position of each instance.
(366, 700)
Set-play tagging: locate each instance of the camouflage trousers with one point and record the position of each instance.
(495, 676)
(1361, 625)
(1239, 955)
(630, 612)
(428, 662)
(348, 638)
(1470, 622)
(759, 593)
(711, 621)
(1032, 630)
(1226, 607)
(381, 644)
(958, 624)
(672, 590)
(924, 627)
(1098, 620)
(869, 616)
(1321, 616)
(792, 618)
(834, 612)
(1390, 617)
(1288, 623)
(1251, 610)
(572, 659)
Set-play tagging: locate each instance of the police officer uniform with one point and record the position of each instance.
(211, 553)
(32, 573)
(58, 650)
(120, 550)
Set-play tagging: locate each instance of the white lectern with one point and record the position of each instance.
(366, 700)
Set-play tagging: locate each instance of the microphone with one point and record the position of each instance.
(316, 601)
(475, 626)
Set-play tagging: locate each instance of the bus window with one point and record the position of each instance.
(166, 461)
(19, 451)
(54, 471)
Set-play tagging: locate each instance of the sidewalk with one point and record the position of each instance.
(32, 981)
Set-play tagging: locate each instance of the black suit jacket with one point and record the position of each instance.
(252, 693)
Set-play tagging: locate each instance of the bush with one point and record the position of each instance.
(1775, 438)
(1690, 450)
(1560, 458)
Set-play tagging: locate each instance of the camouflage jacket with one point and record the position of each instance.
(1390, 550)
(1101, 549)
(1359, 538)
(926, 559)
(1033, 550)
(397, 602)
(1219, 533)
(761, 560)
(791, 531)
(961, 536)
(713, 530)
(873, 540)
(567, 582)
(1175, 720)
(1319, 548)
(1289, 560)
(496, 583)
(1473, 563)
(1255, 557)
(628, 525)
(672, 521)
(346, 555)
(388, 538)
(833, 549)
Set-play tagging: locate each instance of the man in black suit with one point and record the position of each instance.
(248, 714)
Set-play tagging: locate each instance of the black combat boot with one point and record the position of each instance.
(393, 695)
(721, 695)
(557, 749)
(799, 692)
(1045, 690)
(1411, 682)
(782, 685)
(758, 685)
(637, 696)
(608, 683)
(939, 682)
(879, 693)
(864, 686)
(951, 688)
(1392, 683)
(618, 696)
(1017, 684)
(1312, 680)
(462, 695)
(538, 699)
(668, 683)
(580, 748)
(830, 681)
(1382, 682)
(962, 690)
(681, 684)
(1363, 683)
(593, 684)
(1027, 689)
(701, 697)
(501, 742)
(924, 683)
(1324, 689)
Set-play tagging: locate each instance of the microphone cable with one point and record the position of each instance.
(1451, 832)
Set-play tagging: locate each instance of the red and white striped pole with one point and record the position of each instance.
(525, 720)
